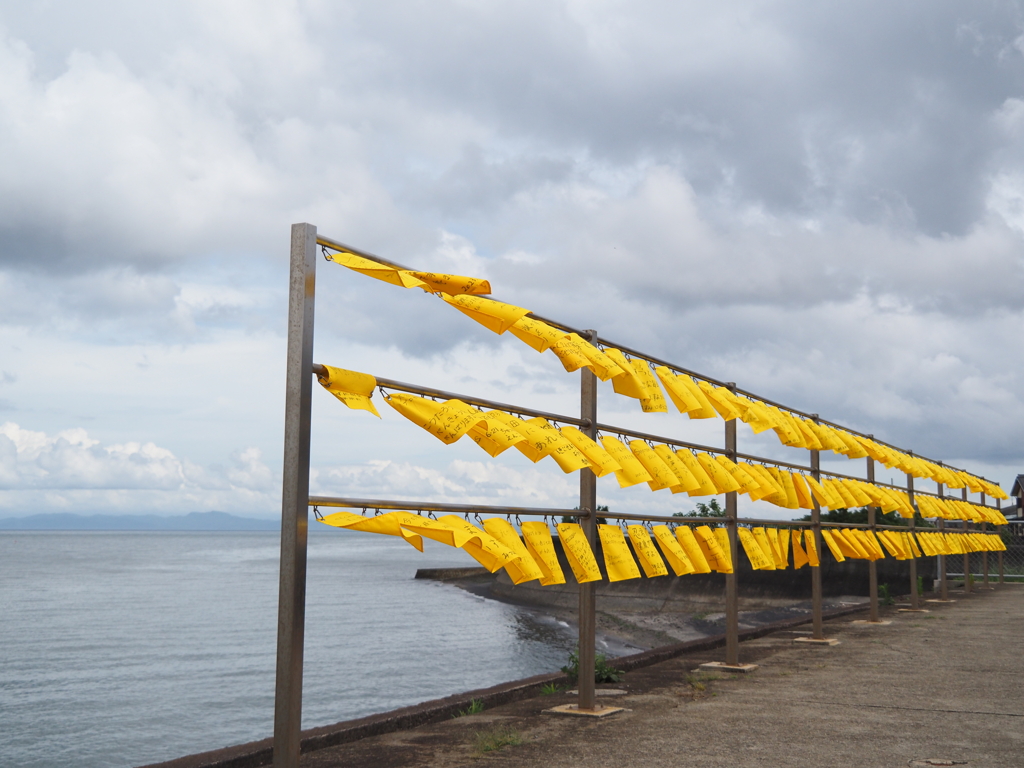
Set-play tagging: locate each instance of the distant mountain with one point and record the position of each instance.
(193, 521)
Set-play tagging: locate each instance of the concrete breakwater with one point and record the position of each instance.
(647, 613)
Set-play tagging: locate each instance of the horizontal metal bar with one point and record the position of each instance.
(429, 506)
(402, 386)
(339, 246)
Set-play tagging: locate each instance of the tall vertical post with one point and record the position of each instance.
(872, 567)
(915, 601)
(967, 554)
(943, 585)
(817, 626)
(984, 554)
(999, 554)
(588, 500)
(732, 606)
(291, 602)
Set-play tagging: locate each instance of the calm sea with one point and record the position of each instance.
(119, 649)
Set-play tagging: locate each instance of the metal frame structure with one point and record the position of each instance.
(296, 500)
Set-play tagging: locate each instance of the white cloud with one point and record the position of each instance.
(40, 472)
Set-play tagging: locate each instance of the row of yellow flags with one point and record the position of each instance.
(634, 378)
(661, 467)
(701, 549)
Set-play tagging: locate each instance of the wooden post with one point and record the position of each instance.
(817, 629)
(732, 610)
(291, 610)
(967, 554)
(915, 600)
(872, 567)
(588, 500)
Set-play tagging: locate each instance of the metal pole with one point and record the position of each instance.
(732, 606)
(967, 554)
(943, 586)
(984, 555)
(588, 500)
(999, 554)
(291, 612)
(817, 630)
(915, 601)
(872, 567)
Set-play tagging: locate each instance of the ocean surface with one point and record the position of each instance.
(126, 648)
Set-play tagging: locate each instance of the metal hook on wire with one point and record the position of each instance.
(316, 512)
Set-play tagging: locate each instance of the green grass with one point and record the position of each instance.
(550, 688)
(497, 738)
(476, 706)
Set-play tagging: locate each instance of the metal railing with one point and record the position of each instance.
(296, 500)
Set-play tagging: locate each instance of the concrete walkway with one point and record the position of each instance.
(946, 685)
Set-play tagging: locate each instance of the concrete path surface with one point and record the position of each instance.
(942, 686)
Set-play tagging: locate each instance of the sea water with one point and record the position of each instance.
(125, 648)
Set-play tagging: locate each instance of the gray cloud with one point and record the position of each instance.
(825, 204)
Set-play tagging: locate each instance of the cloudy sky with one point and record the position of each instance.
(821, 202)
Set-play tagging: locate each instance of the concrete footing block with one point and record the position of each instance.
(913, 610)
(937, 600)
(721, 666)
(881, 623)
(574, 710)
(815, 641)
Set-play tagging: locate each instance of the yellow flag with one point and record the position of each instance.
(618, 562)
(706, 410)
(681, 396)
(716, 556)
(723, 481)
(537, 334)
(434, 530)
(758, 559)
(747, 483)
(494, 435)
(706, 487)
(799, 556)
(718, 401)
(626, 383)
(447, 421)
(578, 553)
(673, 552)
(837, 553)
(646, 552)
(570, 352)
(803, 493)
(689, 544)
(631, 471)
(481, 546)
(722, 535)
(539, 543)
(352, 388)
(687, 482)
(775, 539)
(661, 475)
(525, 568)
(387, 524)
(400, 277)
(812, 550)
(761, 539)
(601, 462)
(558, 447)
(453, 285)
(493, 315)
(655, 400)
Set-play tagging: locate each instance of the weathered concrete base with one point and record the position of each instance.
(816, 641)
(603, 692)
(913, 610)
(721, 666)
(883, 623)
(573, 709)
(937, 600)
